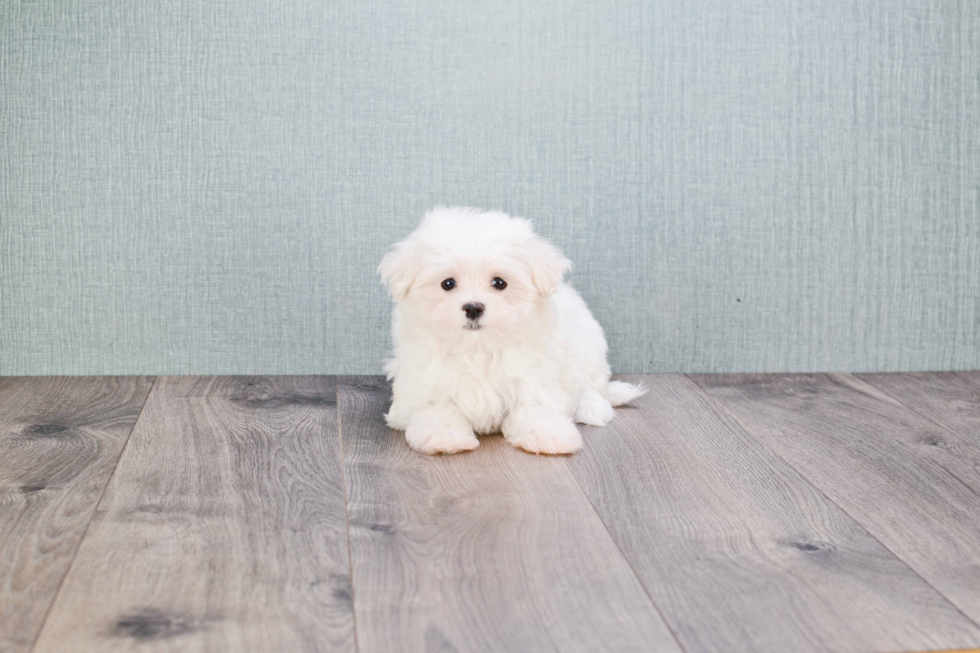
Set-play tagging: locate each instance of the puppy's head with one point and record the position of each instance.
(464, 271)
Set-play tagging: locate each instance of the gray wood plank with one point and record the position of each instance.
(60, 439)
(738, 550)
(951, 399)
(911, 483)
(492, 550)
(223, 527)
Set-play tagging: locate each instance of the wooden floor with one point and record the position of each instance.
(720, 513)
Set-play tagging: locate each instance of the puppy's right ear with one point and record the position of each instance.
(399, 268)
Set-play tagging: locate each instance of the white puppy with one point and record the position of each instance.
(487, 338)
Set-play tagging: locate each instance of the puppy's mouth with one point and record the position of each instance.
(472, 325)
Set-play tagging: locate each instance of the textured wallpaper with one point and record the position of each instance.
(743, 185)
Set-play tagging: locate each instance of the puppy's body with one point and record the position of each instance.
(532, 359)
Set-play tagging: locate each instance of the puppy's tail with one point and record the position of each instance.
(620, 392)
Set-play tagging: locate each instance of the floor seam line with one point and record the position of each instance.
(343, 479)
(98, 503)
(626, 559)
(817, 488)
(948, 429)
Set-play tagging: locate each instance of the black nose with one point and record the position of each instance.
(473, 310)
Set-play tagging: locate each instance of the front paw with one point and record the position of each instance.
(551, 434)
(433, 435)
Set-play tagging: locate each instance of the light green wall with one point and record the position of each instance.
(744, 185)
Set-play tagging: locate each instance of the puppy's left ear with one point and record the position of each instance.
(548, 265)
(399, 268)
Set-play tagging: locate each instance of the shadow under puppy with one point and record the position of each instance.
(488, 339)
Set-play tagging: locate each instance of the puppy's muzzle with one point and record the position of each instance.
(473, 310)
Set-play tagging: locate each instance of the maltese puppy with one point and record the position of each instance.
(488, 339)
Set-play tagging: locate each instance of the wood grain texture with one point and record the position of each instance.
(959, 650)
(223, 527)
(493, 550)
(737, 549)
(951, 399)
(60, 439)
(911, 483)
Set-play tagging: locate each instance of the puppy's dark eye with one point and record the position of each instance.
(448, 284)
(498, 283)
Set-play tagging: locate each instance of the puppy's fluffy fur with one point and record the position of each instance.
(527, 364)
